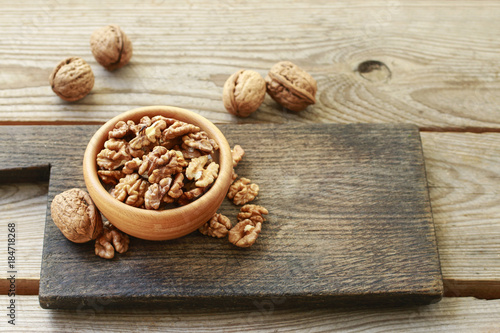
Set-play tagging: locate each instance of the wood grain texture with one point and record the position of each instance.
(442, 73)
(377, 244)
(462, 170)
(449, 315)
(23, 204)
(464, 177)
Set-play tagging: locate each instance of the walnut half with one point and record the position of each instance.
(242, 191)
(245, 233)
(111, 240)
(218, 226)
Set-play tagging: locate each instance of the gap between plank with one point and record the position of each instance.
(23, 286)
(422, 129)
(481, 289)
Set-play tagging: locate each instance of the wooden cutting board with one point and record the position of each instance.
(349, 222)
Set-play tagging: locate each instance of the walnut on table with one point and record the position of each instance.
(72, 79)
(245, 233)
(242, 191)
(76, 215)
(291, 86)
(247, 230)
(237, 153)
(218, 226)
(253, 213)
(109, 241)
(111, 47)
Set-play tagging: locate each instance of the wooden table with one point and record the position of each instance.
(430, 63)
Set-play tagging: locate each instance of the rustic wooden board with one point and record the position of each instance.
(350, 221)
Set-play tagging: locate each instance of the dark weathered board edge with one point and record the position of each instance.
(40, 172)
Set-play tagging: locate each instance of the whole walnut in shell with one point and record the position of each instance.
(111, 47)
(291, 86)
(75, 214)
(72, 79)
(244, 92)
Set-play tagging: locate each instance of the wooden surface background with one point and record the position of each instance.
(350, 223)
(441, 72)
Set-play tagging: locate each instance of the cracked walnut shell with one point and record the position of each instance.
(244, 92)
(75, 214)
(291, 86)
(111, 47)
(72, 79)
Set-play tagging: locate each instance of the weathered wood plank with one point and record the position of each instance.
(364, 234)
(443, 73)
(462, 171)
(24, 205)
(449, 315)
(464, 180)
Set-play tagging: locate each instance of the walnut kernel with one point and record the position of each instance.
(218, 226)
(237, 153)
(111, 240)
(253, 213)
(245, 233)
(242, 191)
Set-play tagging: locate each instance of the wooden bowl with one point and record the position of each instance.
(162, 224)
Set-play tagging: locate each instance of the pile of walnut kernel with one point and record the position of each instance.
(157, 162)
(162, 161)
(250, 217)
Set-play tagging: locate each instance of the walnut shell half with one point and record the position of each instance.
(72, 79)
(111, 47)
(291, 86)
(75, 214)
(244, 92)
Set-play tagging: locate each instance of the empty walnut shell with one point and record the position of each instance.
(291, 86)
(75, 214)
(111, 47)
(72, 79)
(244, 92)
